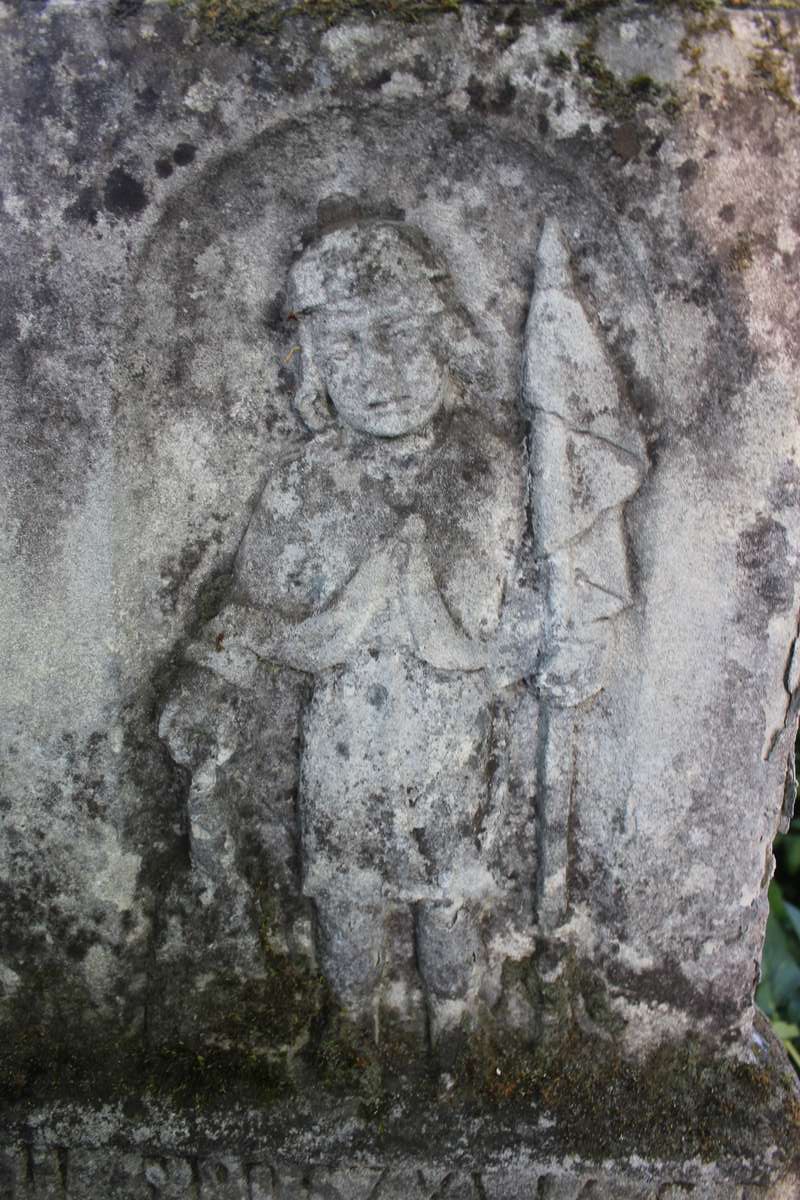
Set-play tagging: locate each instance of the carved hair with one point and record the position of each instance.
(353, 261)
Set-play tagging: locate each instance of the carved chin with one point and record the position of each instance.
(390, 420)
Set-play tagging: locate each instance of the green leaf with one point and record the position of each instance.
(785, 1031)
(790, 854)
(775, 897)
(764, 997)
(780, 967)
(793, 916)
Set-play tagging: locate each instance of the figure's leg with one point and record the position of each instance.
(350, 949)
(452, 961)
(402, 1013)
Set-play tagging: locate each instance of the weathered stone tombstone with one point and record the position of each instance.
(402, 482)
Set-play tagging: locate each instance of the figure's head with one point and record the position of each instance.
(370, 297)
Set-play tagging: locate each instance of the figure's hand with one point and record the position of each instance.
(572, 672)
(516, 647)
(332, 636)
(233, 643)
(436, 637)
(197, 723)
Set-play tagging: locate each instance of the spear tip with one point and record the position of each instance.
(552, 258)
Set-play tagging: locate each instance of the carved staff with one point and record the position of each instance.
(587, 458)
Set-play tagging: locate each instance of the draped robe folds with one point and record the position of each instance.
(388, 562)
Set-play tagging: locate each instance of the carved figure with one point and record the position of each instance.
(390, 559)
(378, 560)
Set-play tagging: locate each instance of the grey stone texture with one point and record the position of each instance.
(400, 469)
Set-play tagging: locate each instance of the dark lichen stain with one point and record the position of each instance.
(124, 195)
(688, 172)
(785, 491)
(211, 597)
(560, 63)
(497, 99)
(626, 141)
(85, 207)
(727, 213)
(184, 153)
(376, 82)
(762, 554)
(164, 168)
(176, 570)
(147, 101)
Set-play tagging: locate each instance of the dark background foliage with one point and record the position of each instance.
(778, 993)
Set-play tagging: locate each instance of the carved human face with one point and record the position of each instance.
(379, 365)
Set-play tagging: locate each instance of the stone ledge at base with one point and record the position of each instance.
(324, 1148)
(124, 1172)
(92, 1174)
(578, 1124)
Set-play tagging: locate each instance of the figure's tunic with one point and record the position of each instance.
(405, 547)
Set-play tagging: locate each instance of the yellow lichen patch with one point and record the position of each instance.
(740, 256)
(770, 69)
(772, 64)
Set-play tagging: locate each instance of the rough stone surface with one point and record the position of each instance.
(400, 483)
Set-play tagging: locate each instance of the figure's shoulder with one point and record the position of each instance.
(297, 481)
(309, 454)
(289, 556)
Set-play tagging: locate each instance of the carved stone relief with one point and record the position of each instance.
(86, 1174)
(444, 589)
(401, 558)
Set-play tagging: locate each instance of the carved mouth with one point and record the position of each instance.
(395, 402)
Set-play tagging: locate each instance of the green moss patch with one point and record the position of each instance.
(281, 1039)
(618, 97)
(680, 1102)
(239, 20)
(772, 73)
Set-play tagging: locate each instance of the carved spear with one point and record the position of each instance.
(587, 458)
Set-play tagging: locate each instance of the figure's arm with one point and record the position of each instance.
(235, 642)
(513, 651)
(437, 639)
(241, 637)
